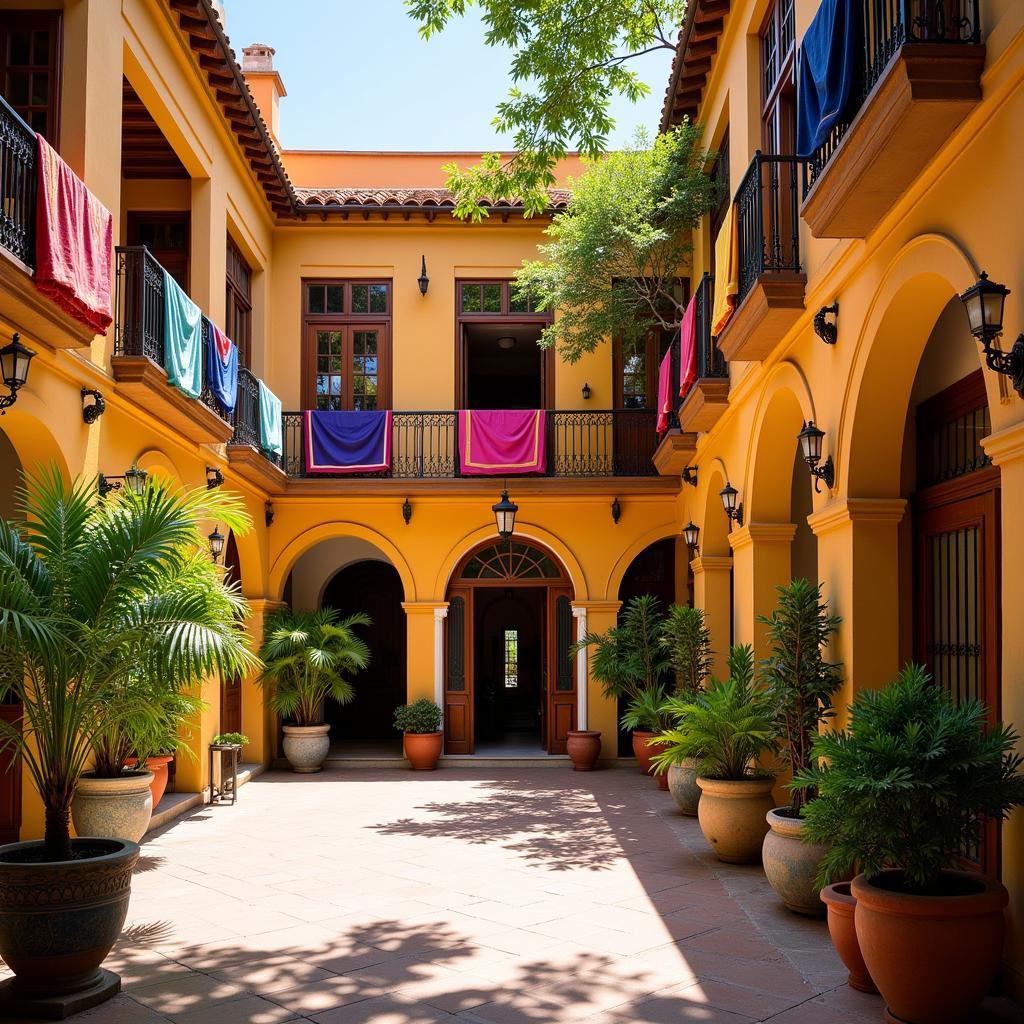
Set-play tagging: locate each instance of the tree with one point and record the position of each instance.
(569, 57)
(687, 637)
(614, 259)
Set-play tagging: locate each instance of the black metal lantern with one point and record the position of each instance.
(407, 511)
(984, 304)
(691, 534)
(616, 511)
(216, 540)
(733, 509)
(586, 392)
(423, 281)
(14, 363)
(134, 479)
(214, 478)
(810, 439)
(505, 516)
(689, 475)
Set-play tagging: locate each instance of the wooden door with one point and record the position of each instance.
(167, 237)
(560, 675)
(458, 672)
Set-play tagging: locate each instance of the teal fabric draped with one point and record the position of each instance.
(183, 339)
(270, 421)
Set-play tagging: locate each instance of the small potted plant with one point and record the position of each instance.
(906, 787)
(648, 715)
(308, 657)
(800, 685)
(726, 728)
(420, 723)
(230, 739)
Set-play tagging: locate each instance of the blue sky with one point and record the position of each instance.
(359, 76)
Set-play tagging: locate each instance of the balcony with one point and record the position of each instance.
(245, 452)
(709, 397)
(138, 360)
(922, 66)
(771, 279)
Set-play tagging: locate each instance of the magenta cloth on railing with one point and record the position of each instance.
(347, 442)
(664, 392)
(688, 348)
(74, 243)
(500, 442)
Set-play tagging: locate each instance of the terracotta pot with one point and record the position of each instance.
(306, 746)
(933, 958)
(58, 922)
(642, 751)
(841, 905)
(791, 864)
(682, 784)
(732, 817)
(158, 765)
(113, 808)
(423, 749)
(584, 747)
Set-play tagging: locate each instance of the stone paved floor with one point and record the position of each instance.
(486, 896)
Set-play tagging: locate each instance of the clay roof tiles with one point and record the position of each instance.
(425, 198)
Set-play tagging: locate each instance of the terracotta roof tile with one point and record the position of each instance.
(425, 198)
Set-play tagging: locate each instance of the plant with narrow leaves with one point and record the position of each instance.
(168, 731)
(909, 784)
(686, 636)
(421, 716)
(648, 712)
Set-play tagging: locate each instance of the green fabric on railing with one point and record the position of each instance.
(183, 339)
(270, 421)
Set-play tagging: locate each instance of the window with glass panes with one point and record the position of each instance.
(511, 659)
(492, 298)
(347, 328)
(778, 85)
(238, 304)
(29, 50)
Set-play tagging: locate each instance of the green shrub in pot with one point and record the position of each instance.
(420, 722)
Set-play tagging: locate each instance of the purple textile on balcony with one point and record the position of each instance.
(502, 442)
(347, 442)
(827, 73)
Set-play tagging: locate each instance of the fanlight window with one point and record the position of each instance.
(511, 560)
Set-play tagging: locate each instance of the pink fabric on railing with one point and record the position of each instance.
(688, 349)
(74, 243)
(664, 391)
(500, 442)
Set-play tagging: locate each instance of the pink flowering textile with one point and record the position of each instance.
(688, 349)
(502, 442)
(664, 391)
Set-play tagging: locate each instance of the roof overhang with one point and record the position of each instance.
(697, 46)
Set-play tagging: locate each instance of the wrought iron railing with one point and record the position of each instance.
(246, 417)
(710, 361)
(18, 156)
(424, 445)
(885, 26)
(768, 218)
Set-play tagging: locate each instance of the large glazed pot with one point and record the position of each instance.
(306, 746)
(732, 817)
(158, 765)
(113, 808)
(682, 784)
(933, 958)
(791, 864)
(642, 750)
(583, 747)
(58, 922)
(841, 905)
(423, 749)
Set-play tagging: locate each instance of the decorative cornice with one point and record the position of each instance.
(1006, 445)
(424, 607)
(598, 606)
(762, 533)
(856, 510)
(711, 563)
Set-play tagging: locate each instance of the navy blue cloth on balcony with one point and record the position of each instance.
(222, 368)
(347, 442)
(827, 73)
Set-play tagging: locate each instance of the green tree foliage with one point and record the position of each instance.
(612, 264)
(687, 637)
(909, 784)
(569, 58)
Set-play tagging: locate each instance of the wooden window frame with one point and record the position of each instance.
(52, 19)
(136, 218)
(782, 89)
(238, 305)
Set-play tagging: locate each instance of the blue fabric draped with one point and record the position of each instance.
(271, 435)
(348, 442)
(827, 72)
(222, 368)
(183, 339)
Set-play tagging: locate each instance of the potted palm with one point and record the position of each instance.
(93, 592)
(648, 716)
(800, 685)
(726, 728)
(420, 724)
(900, 794)
(308, 657)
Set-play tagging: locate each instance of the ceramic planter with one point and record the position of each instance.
(791, 864)
(584, 748)
(682, 784)
(423, 749)
(158, 765)
(58, 922)
(113, 808)
(732, 817)
(841, 905)
(642, 750)
(933, 958)
(306, 746)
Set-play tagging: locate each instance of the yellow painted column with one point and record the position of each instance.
(601, 711)
(712, 585)
(191, 774)
(424, 622)
(761, 562)
(208, 258)
(259, 723)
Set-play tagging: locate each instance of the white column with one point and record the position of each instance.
(580, 615)
(439, 617)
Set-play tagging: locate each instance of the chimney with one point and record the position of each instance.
(264, 83)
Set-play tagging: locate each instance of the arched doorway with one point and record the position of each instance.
(509, 681)
(231, 689)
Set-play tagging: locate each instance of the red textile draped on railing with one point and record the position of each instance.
(688, 348)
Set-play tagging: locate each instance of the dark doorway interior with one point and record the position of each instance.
(365, 725)
(509, 670)
(504, 366)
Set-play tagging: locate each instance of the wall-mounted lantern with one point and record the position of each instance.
(984, 304)
(216, 540)
(616, 511)
(691, 534)
(827, 330)
(690, 475)
(134, 479)
(423, 281)
(505, 516)
(94, 409)
(14, 363)
(214, 478)
(810, 439)
(586, 392)
(407, 511)
(733, 508)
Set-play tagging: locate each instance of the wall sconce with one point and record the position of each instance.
(616, 511)
(984, 305)
(586, 392)
(690, 475)
(828, 332)
(505, 516)
(268, 513)
(93, 410)
(407, 511)
(214, 478)
(134, 479)
(14, 363)
(691, 534)
(423, 281)
(733, 511)
(810, 439)
(216, 540)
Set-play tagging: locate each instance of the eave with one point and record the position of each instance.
(695, 52)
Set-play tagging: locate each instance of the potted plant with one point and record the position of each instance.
(420, 723)
(906, 787)
(648, 716)
(726, 728)
(687, 637)
(93, 592)
(230, 739)
(308, 657)
(800, 685)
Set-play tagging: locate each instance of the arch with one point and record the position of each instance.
(625, 560)
(714, 527)
(33, 443)
(510, 561)
(160, 464)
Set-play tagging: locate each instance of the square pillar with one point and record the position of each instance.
(712, 591)
(761, 562)
(424, 622)
(259, 723)
(601, 712)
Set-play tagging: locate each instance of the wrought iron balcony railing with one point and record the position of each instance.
(246, 418)
(885, 28)
(710, 361)
(18, 156)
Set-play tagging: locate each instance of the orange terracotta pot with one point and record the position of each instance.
(933, 958)
(158, 765)
(584, 747)
(642, 750)
(423, 749)
(841, 904)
